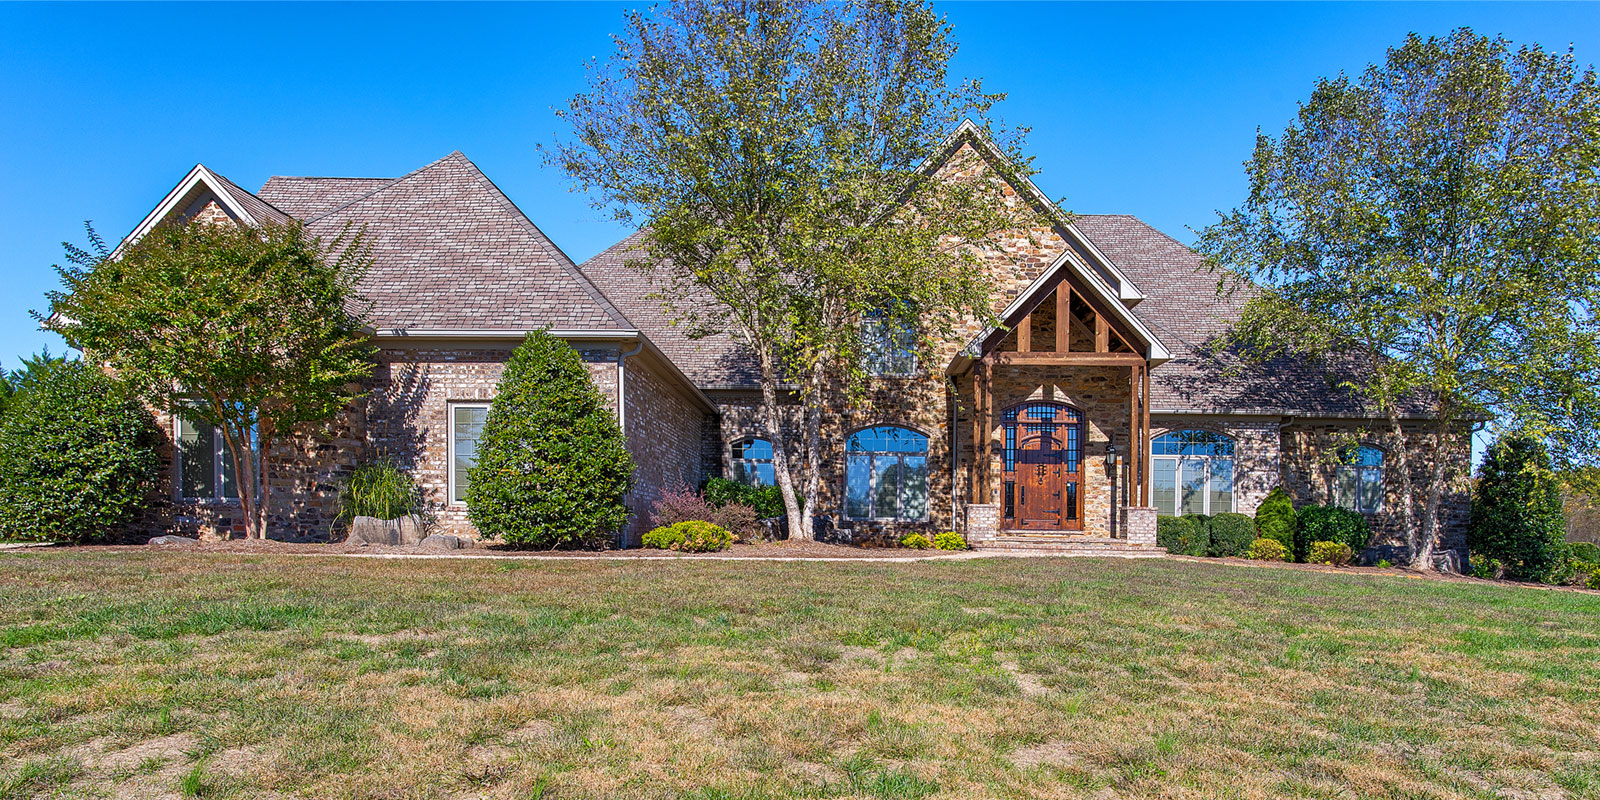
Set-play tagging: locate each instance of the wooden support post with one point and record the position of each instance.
(1025, 334)
(1144, 446)
(1133, 435)
(1063, 317)
(977, 429)
(1102, 334)
(988, 432)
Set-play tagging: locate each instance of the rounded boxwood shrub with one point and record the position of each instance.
(1329, 524)
(1517, 515)
(1335, 554)
(77, 457)
(1181, 536)
(693, 536)
(552, 470)
(949, 540)
(1230, 535)
(915, 541)
(1265, 549)
(1275, 518)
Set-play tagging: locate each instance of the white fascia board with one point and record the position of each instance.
(169, 204)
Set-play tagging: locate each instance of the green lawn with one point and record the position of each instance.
(140, 674)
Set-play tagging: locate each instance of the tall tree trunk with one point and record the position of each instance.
(1429, 533)
(244, 472)
(772, 416)
(264, 433)
(1408, 498)
(813, 448)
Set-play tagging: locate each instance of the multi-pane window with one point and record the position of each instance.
(888, 344)
(752, 462)
(204, 465)
(1358, 479)
(466, 426)
(1191, 472)
(886, 474)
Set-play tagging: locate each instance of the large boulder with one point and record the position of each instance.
(441, 541)
(172, 540)
(406, 530)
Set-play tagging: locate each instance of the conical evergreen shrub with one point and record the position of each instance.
(552, 468)
(1275, 518)
(1517, 516)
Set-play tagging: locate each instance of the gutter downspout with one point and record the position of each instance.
(622, 409)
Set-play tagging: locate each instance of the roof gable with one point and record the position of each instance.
(199, 188)
(452, 252)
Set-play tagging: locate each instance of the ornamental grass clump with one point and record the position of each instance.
(552, 470)
(380, 489)
(77, 457)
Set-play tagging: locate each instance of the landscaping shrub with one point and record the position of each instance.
(684, 505)
(1265, 549)
(949, 540)
(1230, 535)
(380, 489)
(1486, 568)
(915, 541)
(1517, 515)
(739, 520)
(552, 470)
(1275, 518)
(692, 536)
(1181, 535)
(1587, 552)
(766, 500)
(77, 458)
(1329, 524)
(1335, 554)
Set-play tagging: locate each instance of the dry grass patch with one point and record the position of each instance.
(128, 673)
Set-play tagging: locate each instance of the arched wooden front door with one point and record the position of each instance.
(1043, 467)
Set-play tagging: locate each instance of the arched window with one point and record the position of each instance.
(752, 462)
(1358, 479)
(886, 474)
(1191, 472)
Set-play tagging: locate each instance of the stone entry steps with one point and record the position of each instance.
(1058, 544)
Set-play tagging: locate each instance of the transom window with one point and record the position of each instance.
(1191, 472)
(1358, 479)
(886, 474)
(205, 468)
(752, 462)
(888, 344)
(466, 427)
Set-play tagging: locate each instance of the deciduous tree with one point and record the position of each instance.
(1430, 230)
(775, 154)
(257, 331)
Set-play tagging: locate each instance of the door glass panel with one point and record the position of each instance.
(1194, 486)
(1164, 485)
(858, 486)
(914, 488)
(1221, 485)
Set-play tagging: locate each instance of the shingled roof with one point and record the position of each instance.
(451, 252)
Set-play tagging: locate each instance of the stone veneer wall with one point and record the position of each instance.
(665, 427)
(1308, 475)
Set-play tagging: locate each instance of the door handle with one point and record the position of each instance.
(1023, 499)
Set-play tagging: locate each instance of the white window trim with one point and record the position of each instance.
(219, 456)
(1205, 497)
(450, 454)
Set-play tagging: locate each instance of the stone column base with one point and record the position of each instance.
(983, 522)
(1139, 525)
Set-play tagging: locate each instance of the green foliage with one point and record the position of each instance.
(693, 536)
(915, 541)
(1230, 535)
(1384, 563)
(1330, 524)
(773, 154)
(949, 540)
(1275, 518)
(1265, 549)
(249, 329)
(77, 458)
(1584, 551)
(1485, 567)
(1335, 554)
(1427, 230)
(552, 467)
(1182, 536)
(1517, 514)
(767, 501)
(380, 489)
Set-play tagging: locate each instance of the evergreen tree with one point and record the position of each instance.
(1275, 518)
(552, 469)
(1517, 513)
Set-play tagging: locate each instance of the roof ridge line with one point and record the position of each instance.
(258, 197)
(407, 176)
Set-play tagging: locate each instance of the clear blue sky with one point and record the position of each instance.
(1144, 108)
